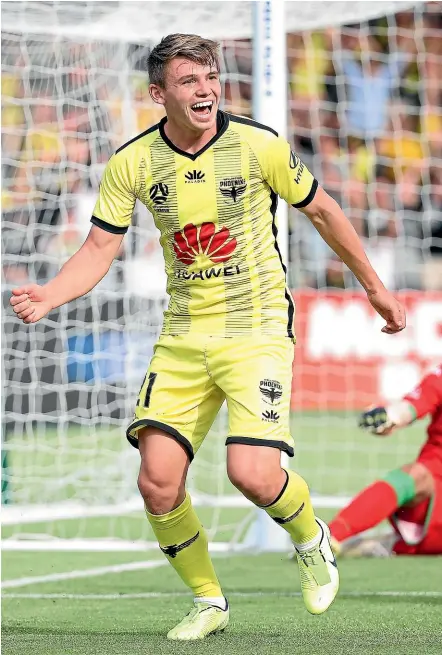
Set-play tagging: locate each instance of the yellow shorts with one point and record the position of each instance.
(190, 376)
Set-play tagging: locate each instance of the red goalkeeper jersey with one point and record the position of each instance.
(426, 398)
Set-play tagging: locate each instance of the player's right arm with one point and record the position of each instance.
(78, 276)
(424, 399)
(83, 271)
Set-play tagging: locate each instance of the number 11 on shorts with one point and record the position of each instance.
(150, 382)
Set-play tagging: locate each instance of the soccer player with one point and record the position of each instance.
(411, 496)
(211, 181)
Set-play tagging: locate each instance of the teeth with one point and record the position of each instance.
(202, 104)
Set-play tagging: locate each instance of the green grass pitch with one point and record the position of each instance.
(385, 607)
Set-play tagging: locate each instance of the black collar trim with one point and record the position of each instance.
(222, 123)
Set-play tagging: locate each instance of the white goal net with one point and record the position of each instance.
(74, 88)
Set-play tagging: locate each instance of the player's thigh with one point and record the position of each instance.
(164, 460)
(431, 457)
(178, 396)
(256, 374)
(163, 470)
(432, 542)
(423, 480)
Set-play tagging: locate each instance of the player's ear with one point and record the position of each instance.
(157, 94)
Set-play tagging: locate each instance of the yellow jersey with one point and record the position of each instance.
(216, 212)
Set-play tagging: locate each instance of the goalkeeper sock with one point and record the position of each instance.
(293, 511)
(183, 540)
(373, 505)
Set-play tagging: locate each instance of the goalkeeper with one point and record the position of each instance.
(409, 497)
(211, 181)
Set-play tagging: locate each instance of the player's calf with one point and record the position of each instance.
(372, 505)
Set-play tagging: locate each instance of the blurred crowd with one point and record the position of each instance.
(365, 114)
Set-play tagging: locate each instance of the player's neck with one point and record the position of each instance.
(188, 140)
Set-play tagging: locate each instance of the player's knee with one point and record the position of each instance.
(258, 483)
(423, 480)
(159, 493)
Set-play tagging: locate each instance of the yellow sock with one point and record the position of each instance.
(293, 510)
(183, 540)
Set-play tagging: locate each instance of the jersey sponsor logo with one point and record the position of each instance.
(294, 160)
(194, 176)
(270, 416)
(158, 193)
(271, 391)
(200, 245)
(208, 273)
(202, 242)
(232, 188)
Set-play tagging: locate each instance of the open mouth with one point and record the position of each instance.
(203, 108)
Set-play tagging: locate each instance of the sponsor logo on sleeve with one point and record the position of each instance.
(294, 160)
(296, 163)
(298, 177)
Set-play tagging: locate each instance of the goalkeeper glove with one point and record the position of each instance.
(375, 420)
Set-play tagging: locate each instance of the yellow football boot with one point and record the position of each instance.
(318, 572)
(202, 620)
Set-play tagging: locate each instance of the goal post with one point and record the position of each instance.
(74, 88)
(270, 107)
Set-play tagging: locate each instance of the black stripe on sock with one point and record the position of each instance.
(172, 551)
(289, 518)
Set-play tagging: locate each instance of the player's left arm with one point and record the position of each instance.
(383, 420)
(290, 178)
(334, 227)
(424, 399)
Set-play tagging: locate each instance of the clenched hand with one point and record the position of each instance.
(390, 309)
(30, 302)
